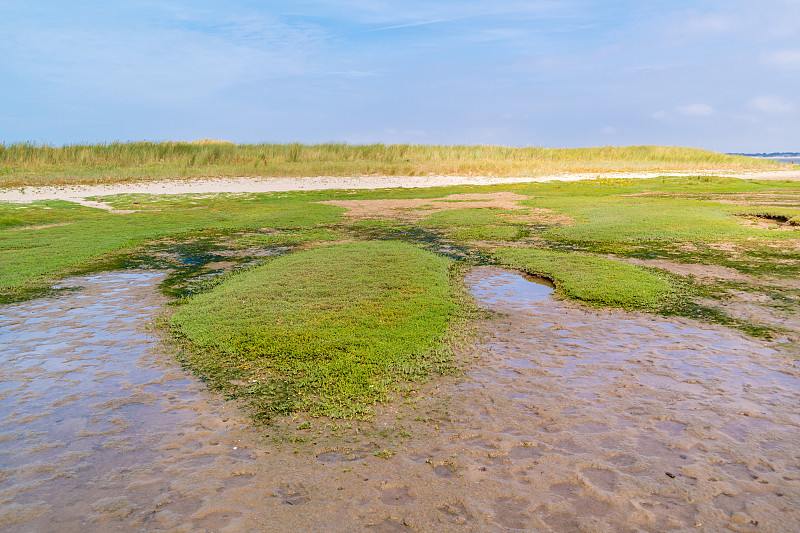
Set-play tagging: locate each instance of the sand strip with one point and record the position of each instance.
(78, 193)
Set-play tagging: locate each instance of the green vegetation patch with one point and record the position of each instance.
(662, 210)
(291, 237)
(328, 331)
(45, 240)
(621, 219)
(596, 280)
(471, 224)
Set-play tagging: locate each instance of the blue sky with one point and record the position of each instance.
(723, 75)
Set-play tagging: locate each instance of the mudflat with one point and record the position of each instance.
(567, 413)
(571, 419)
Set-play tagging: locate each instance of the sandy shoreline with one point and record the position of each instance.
(78, 193)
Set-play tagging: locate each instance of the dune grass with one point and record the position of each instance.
(328, 331)
(28, 164)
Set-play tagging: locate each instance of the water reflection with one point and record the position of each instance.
(87, 405)
(570, 419)
(511, 288)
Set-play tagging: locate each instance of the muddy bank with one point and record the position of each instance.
(571, 420)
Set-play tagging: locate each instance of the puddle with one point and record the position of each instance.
(191, 265)
(509, 288)
(573, 420)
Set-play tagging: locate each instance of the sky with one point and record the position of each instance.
(721, 74)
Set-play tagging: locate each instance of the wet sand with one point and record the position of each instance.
(92, 411)
(571, 420)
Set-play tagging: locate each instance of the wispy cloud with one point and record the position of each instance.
(708, 23)
(443, 71)
(355, 73)
(173, 59)
(695, 110)
(770, 104)
(783, 58)
(399, 13)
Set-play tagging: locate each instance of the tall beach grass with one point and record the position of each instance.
(33, 164)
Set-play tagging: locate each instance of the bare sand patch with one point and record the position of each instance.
(43, 226)
(707, 272)
(261, 185)
(416, 208)
(768, 223)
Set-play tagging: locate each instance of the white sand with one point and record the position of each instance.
(79, 193)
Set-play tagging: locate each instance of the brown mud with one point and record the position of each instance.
(413, 209)
(570, 420)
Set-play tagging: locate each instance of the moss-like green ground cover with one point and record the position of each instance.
(31, 259)
(328, 331)
(596, 280)
(299, 307)
(471, 224)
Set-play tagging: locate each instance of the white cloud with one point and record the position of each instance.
(392, 13)
(355, 73)
(695, 110)
(783, 58)
(770, 104)
(709, 23)
(174, 60)
(659, 115)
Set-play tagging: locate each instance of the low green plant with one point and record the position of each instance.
(335, 326)
(290, 237)
(65, 238)
(627, 219)
(596, 280)
(473, 224)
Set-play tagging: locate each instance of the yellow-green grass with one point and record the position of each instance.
(24, 164)
(328, 331)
